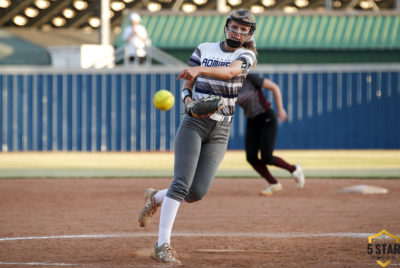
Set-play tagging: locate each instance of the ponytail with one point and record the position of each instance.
(251, 46)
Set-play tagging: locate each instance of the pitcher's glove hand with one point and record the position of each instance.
(204, 107)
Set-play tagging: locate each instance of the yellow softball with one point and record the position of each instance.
(163, 100)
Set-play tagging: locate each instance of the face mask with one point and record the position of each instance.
(233, 43)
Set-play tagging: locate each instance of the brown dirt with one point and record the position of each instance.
(231, 227)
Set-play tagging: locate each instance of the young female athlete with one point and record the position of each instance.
(261, 130)
(215, 69)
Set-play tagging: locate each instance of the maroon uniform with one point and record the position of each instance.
(261, 131)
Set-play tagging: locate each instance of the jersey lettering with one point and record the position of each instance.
(214, 63)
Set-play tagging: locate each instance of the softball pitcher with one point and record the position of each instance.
(261, 131)
(212, 82)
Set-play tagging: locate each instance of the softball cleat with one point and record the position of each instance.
(165, 253)
(299, 176)
(150, 207)
(272, 189)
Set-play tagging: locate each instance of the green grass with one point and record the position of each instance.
(316, 163)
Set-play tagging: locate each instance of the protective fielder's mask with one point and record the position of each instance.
(233, 43)
(244, 17)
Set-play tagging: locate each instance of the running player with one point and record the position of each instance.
(261, 130)
(215, 69)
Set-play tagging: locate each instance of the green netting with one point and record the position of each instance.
(281, 31)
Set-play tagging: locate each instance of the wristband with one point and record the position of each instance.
(186, 93)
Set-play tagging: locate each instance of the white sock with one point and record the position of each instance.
(169, 209)
(160, 195)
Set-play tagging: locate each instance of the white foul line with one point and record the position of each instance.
(223, 234)
(37, 263)
(130, 235)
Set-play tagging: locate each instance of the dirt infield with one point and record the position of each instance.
(93, 223)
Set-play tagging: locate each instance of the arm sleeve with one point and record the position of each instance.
(256, 80)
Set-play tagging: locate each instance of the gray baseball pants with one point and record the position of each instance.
(200, 146)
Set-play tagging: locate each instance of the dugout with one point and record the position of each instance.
(287, 38)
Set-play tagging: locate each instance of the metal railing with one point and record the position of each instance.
(153, 55)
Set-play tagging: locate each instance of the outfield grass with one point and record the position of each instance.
(316, 163)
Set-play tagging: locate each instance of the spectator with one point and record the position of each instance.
(135, 36)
